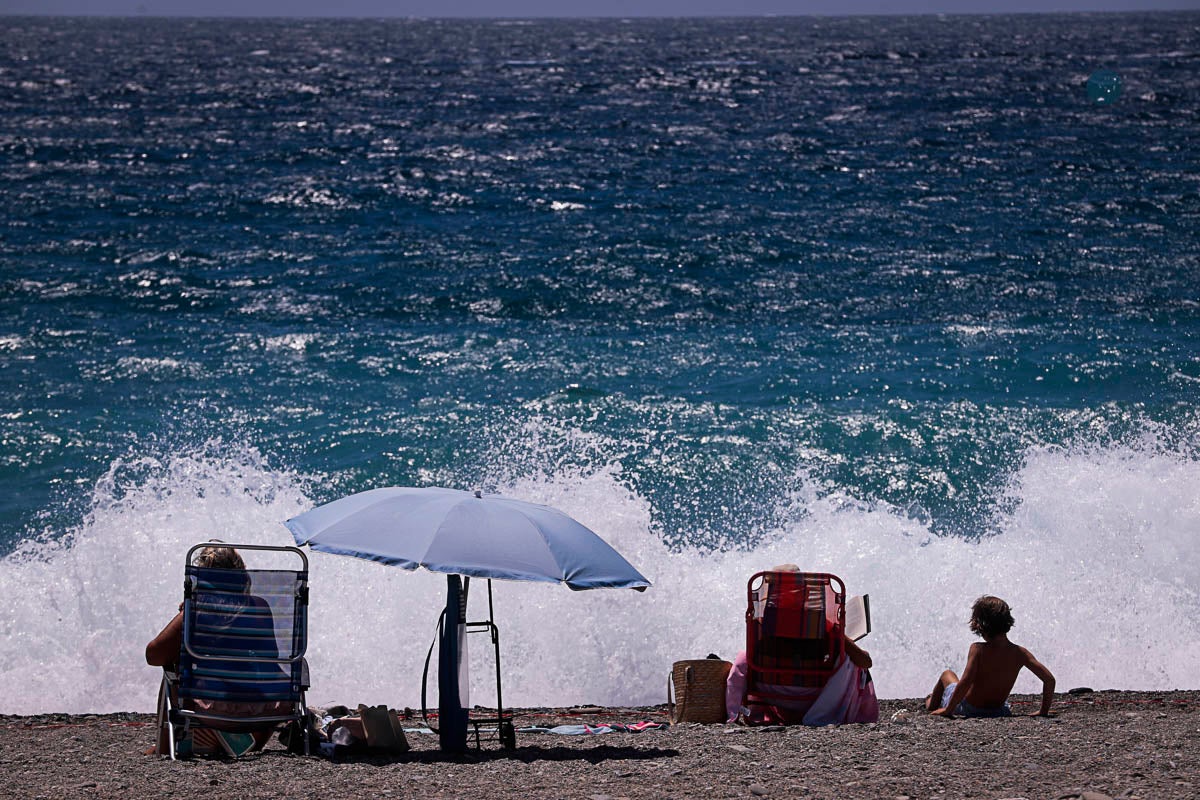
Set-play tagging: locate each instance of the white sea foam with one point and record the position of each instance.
(294, 342)
(134, 366)
(1096, 559)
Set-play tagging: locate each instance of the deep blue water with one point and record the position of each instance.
(723, 260)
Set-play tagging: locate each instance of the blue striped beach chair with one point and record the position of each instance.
(241, 664)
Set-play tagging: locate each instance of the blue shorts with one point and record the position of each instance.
(965, 709)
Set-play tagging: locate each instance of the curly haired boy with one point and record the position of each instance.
(991, 671)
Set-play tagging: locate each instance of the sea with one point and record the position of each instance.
(912, 300)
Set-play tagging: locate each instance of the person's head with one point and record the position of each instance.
(990, 616)
(219, 556)
(778, 568)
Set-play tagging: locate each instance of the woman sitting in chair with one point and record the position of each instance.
(164, 651)
(845, 694)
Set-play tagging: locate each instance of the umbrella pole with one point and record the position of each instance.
(452, 717)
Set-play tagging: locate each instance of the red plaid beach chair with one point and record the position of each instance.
(794, 633)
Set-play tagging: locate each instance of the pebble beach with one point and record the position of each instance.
(1105, 744)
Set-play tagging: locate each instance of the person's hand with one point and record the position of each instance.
(942, 712)
(858, 657)
(1040, 713)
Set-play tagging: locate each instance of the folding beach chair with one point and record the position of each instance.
(794, 634)
(241, 664)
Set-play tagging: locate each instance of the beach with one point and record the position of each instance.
(1109, 743)
(906, 299)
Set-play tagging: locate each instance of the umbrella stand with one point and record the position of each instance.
(453, 718)
(504, 725)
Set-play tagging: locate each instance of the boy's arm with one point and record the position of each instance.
(964, 684)
(1047, 677)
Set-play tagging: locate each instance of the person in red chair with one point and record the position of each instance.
(846, 695)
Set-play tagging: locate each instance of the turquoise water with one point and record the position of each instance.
(900, 298)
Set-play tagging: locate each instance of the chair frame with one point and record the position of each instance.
(170, 707)
(755, 669)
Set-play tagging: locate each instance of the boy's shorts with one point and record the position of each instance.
(965, 709)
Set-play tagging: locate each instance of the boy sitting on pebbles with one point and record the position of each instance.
(991, 671)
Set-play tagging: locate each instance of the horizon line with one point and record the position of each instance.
(594, 17)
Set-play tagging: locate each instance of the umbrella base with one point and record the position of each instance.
(453, 717)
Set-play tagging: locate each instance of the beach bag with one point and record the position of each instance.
(699, 685)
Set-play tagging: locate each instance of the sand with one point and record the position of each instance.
(1109, 744)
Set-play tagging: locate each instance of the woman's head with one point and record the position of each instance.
(991, 616)
(768, 578)
(219, 556)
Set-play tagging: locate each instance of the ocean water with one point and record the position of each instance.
(907, 299)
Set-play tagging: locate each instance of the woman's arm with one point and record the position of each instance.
(858, 657)
(163, 649)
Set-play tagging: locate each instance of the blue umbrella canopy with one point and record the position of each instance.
(465, 533)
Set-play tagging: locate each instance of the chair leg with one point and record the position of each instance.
(164, 719)
(304, 724)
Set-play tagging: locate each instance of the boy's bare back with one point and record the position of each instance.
(992, 669)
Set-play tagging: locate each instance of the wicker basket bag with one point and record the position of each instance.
(700, 688)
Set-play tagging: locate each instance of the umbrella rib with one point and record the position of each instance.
(385, 496)
(381, 498)
(547, 542)
(524, 519)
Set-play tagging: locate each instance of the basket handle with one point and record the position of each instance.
(688, 679)
(670, 700)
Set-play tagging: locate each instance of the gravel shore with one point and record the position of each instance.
(1110, 744)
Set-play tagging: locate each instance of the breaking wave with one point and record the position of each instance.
(1094, 554)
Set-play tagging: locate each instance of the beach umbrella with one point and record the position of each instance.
(464, 534)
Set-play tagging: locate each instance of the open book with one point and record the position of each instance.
(858, 617)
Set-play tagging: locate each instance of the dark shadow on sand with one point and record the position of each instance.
(593, 755)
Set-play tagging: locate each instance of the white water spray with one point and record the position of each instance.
(1096, 561)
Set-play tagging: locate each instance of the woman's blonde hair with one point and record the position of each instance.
(219, 557)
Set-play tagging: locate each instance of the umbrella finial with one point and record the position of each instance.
(479, 494)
